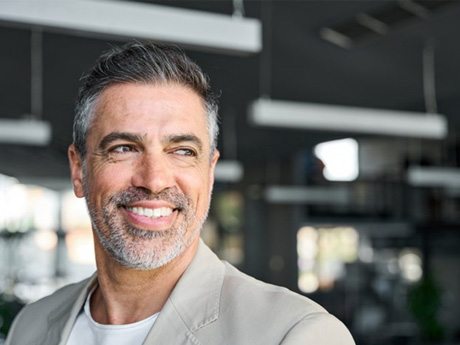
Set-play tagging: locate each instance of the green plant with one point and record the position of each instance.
(424, 303)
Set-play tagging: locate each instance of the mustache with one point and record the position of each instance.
(134, 194)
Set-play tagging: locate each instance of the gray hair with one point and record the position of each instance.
(147, 63)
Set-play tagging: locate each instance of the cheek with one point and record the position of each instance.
(105, 180)
(196, 186)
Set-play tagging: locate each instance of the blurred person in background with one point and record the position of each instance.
(143, 155)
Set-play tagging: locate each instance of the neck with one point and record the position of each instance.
(127, 295)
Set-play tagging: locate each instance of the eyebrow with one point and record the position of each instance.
(180, 138)
(111, 137)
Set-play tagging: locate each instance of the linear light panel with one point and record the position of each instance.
(315, 195)
(228, 171)
(433, 176)
(25, 132)
(126, 19)
(286, 114)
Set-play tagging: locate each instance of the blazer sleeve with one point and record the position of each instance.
(318, 329)
(10, 338)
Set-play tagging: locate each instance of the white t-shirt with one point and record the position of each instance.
(88, 332)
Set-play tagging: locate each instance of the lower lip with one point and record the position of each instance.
(147, 223)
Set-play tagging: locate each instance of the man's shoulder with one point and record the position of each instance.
(35, 317)
(64, 295)
(242, 287)
(255, 312)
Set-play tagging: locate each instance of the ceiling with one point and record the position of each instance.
(380, 71)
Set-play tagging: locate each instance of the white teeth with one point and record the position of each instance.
(151, 212)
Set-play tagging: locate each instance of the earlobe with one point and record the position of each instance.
(76, 171)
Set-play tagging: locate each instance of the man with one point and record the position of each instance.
(143, 156)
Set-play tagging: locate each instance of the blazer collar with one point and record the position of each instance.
(194, 302)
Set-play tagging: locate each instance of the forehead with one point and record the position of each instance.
(149, 108)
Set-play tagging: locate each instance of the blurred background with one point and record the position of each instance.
(339, 176)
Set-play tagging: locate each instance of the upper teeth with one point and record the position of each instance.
(151, 212)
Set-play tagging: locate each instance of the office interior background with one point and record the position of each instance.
(339, 174)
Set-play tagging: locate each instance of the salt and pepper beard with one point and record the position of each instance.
(137, 248)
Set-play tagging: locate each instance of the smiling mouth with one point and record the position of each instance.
(153, 213)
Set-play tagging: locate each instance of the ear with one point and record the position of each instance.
(214, 159)
(76, 170)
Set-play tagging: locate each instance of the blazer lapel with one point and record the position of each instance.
(60, 322)
(193, 304)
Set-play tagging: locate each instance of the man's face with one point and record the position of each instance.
(148, 173)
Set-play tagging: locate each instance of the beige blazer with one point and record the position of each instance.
(213, 303)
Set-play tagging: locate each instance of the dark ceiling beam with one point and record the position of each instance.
(364, 26)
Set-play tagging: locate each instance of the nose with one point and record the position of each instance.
(152, 172)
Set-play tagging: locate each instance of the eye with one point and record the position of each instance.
(185, 152)
(122, 149)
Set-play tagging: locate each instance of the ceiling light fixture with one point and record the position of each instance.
(420, 176)
(30, 130)
(432, 176)
(129, 19)
(287, 114)
(314, 195)
(229, 171)
(24, 132)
